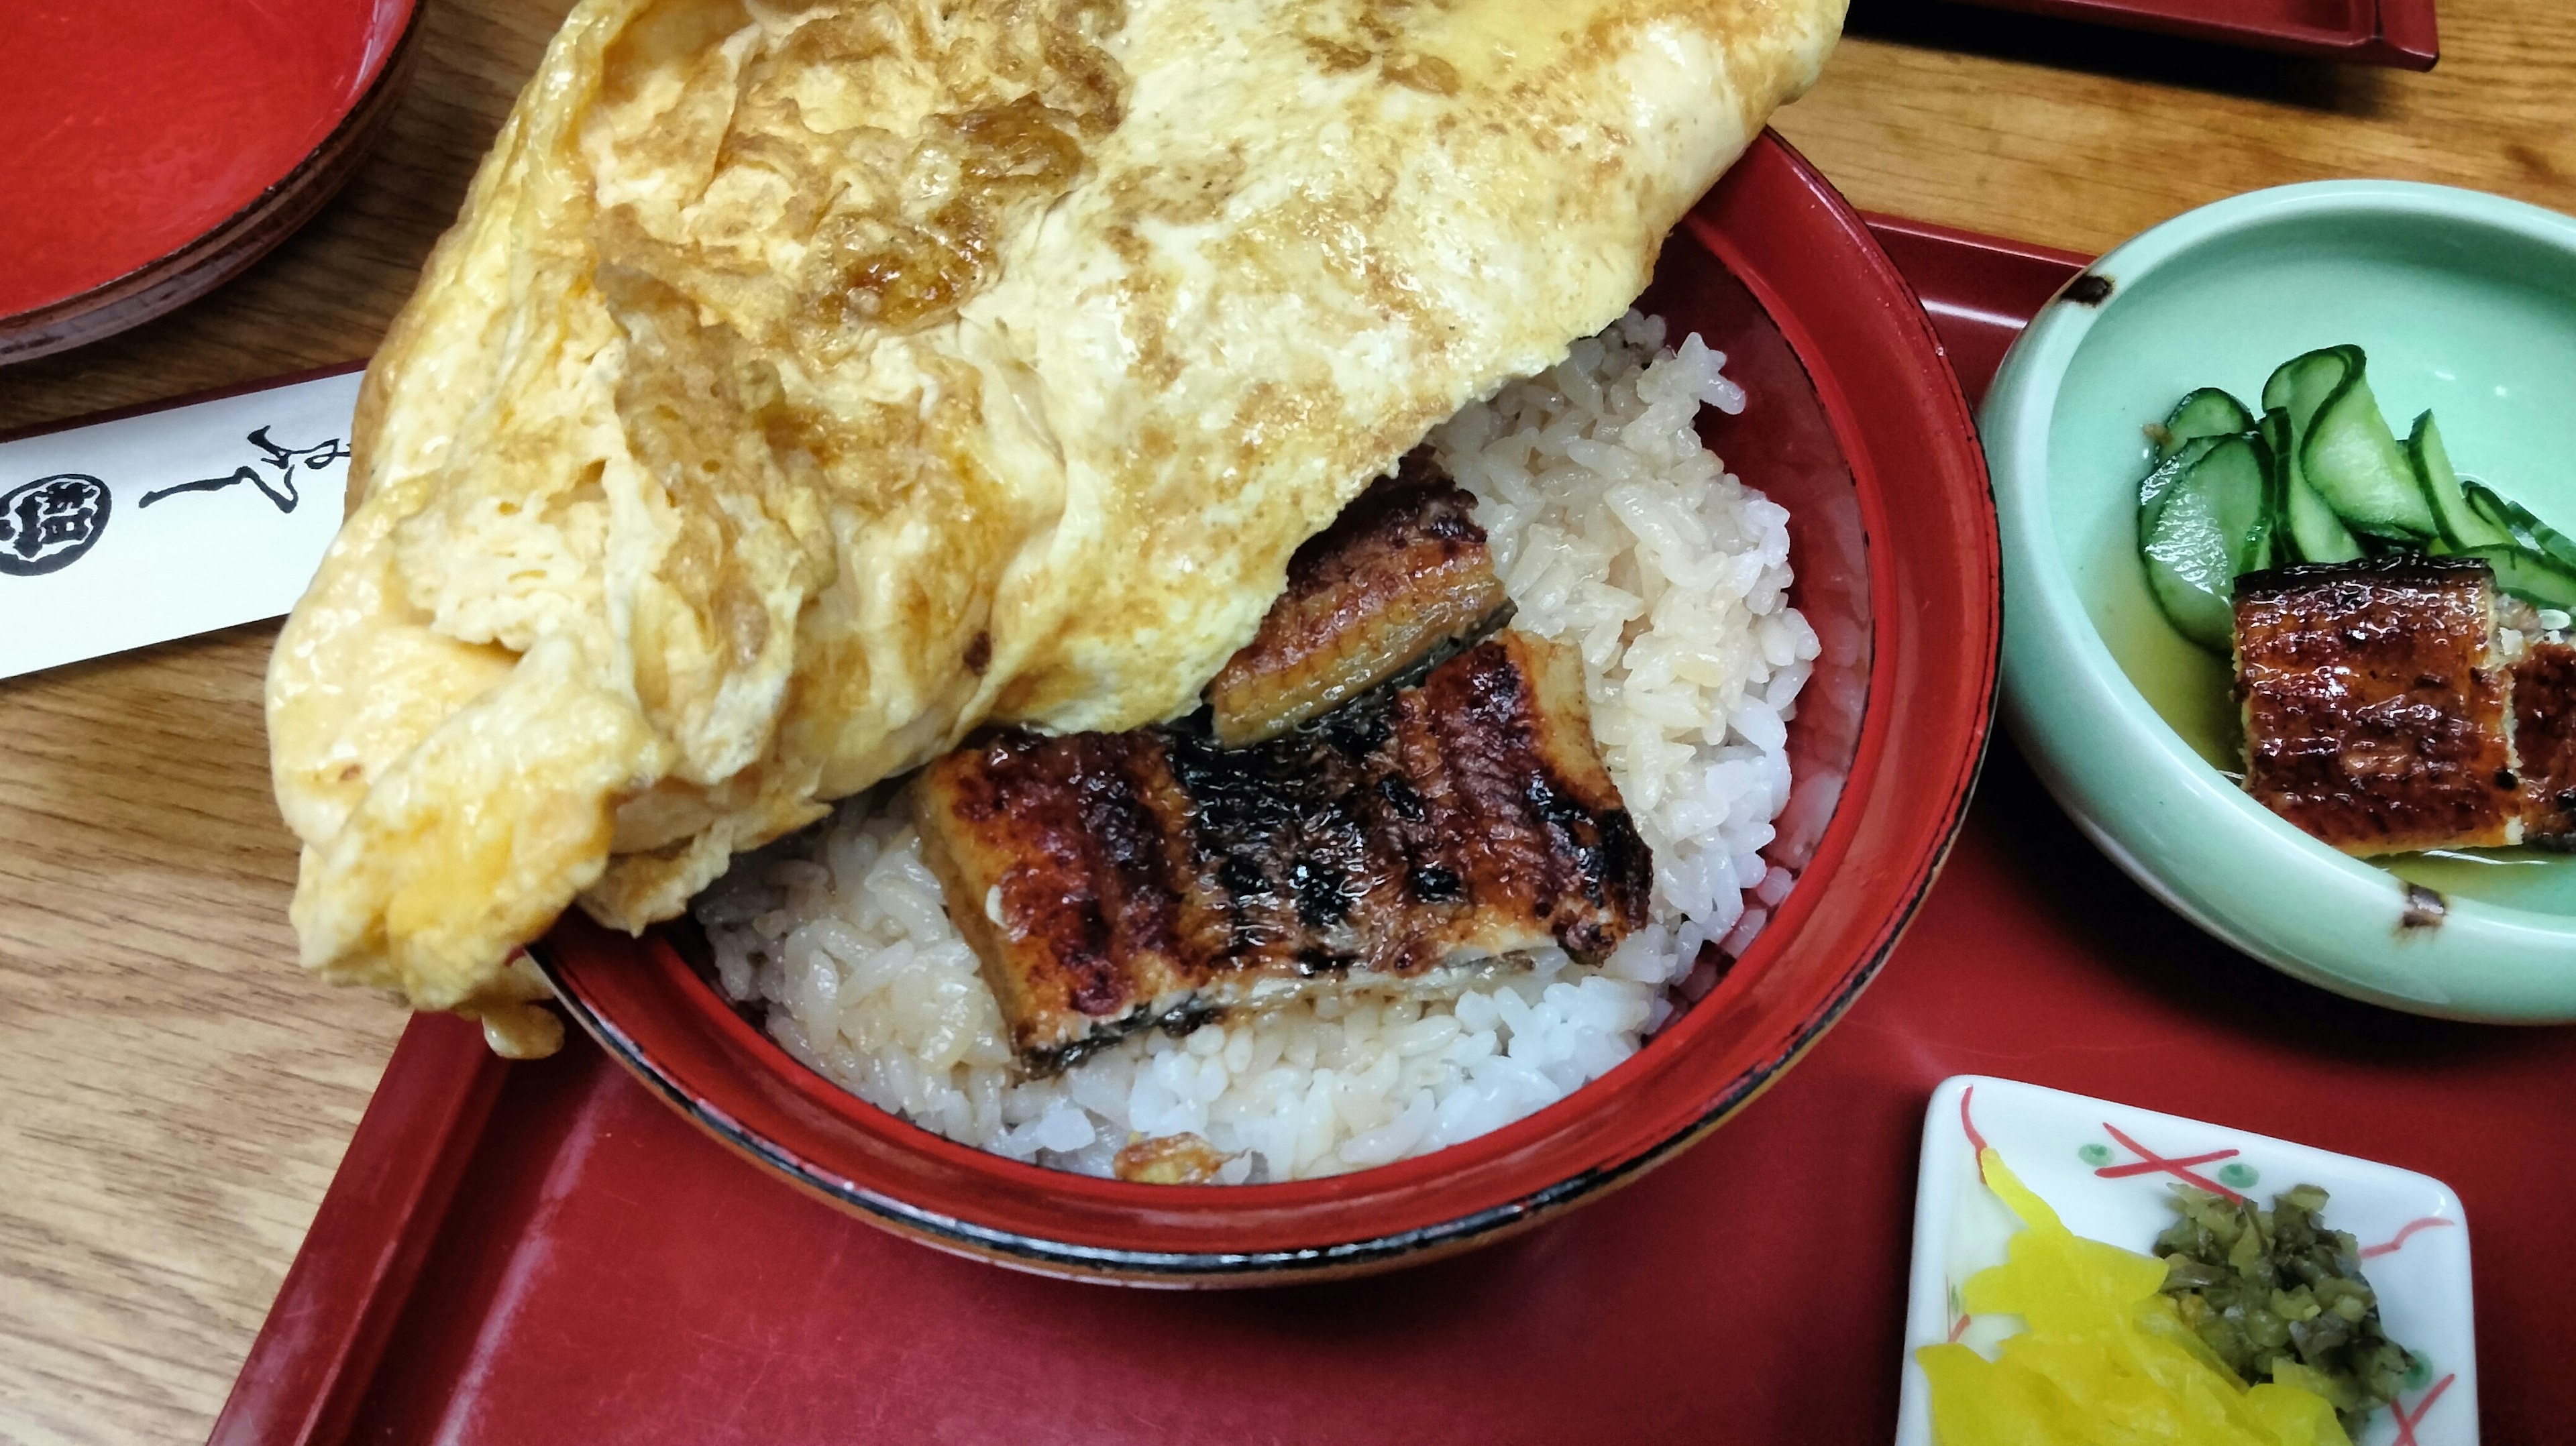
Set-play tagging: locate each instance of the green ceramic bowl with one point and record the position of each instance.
(2466, 303)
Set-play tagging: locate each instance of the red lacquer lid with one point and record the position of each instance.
(2397, 33)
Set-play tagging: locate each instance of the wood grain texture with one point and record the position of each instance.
(174, 1096)
(2082, 137)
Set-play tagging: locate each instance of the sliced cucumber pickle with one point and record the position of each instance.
(2160, 483)
(2531, 575)
(2208, 412)
(2211, 521)
(2307, 529)
(2300, 385)
(2347, 453)
(2319, 478)
(2461, 525)
(2518, 523)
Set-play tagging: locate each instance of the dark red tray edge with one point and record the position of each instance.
(2405, 36)
(310, 1364)
(1883, 226)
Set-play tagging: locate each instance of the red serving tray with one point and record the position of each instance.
(546, 1252)
(2372, 32)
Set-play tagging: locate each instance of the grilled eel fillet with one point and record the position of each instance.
(1114, 881)
(2376, 712)
(1401, 572)
(2544, 742)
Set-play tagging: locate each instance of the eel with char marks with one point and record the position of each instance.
(2375, 705)
(1408, 841)
(1401, 572)
(2544, 741)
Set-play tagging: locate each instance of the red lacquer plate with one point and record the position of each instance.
(2398, 33)
(150, 151)
(1858, 428)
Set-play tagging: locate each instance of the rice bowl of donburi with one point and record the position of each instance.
(1890, 724)
(1148, 592)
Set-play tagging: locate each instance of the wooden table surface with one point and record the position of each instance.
(174, 1096)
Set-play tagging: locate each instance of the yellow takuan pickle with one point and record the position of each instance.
(2106, 1359)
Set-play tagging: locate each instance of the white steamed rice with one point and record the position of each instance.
(1613, 529)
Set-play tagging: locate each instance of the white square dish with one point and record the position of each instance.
(2107, 1170)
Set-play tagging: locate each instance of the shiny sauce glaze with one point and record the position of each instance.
(1115, 882)
(2375, 707)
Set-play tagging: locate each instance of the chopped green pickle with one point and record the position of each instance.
(2280, 1298)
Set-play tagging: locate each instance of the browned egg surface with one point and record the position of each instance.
(804, 387)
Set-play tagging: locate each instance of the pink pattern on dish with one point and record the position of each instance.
(1976, 1142)
(2149, 1162)
(2406, 1423)
(2389, 1246)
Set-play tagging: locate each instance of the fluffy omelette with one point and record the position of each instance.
(804, 387)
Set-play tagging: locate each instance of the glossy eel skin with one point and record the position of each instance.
(2377, 716)
(1401, 572)
(1408, 841)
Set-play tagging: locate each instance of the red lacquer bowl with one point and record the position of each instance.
(1857, 427)
(149, 151)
